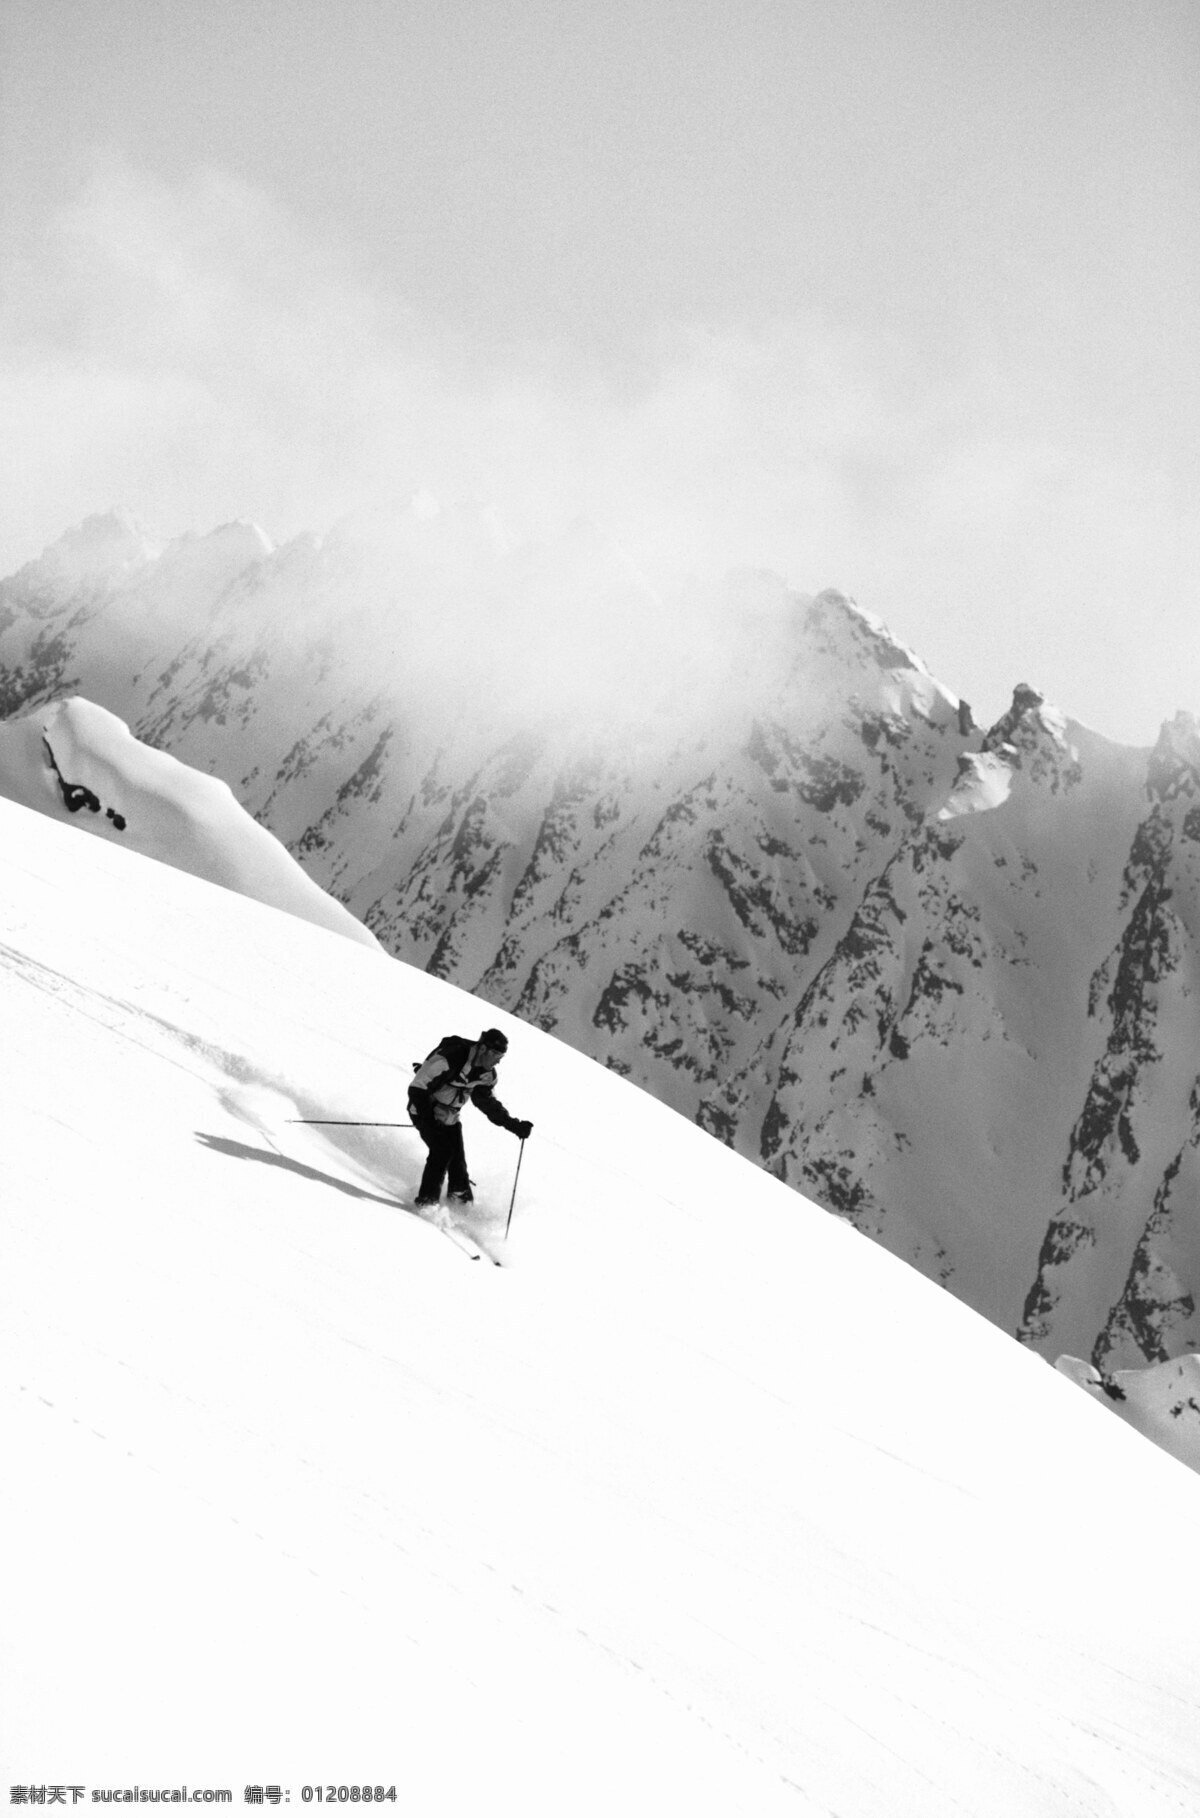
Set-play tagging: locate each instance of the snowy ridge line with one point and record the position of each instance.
(158, 806)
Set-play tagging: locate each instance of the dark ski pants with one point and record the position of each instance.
(447, 1159)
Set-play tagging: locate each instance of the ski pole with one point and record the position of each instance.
(516, 1177)
(356, 1123)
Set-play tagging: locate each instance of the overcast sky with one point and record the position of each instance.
(898, 296)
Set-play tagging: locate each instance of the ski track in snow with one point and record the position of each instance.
(681, 1512)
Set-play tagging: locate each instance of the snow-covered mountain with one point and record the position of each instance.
(704, 1504)
(741, 847)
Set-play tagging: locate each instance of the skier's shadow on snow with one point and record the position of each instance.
(225, 1145)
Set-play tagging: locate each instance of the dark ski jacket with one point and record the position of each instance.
(447, 1078)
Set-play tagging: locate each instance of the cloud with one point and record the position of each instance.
(190, 350)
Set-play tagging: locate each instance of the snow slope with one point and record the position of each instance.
(294, 1493)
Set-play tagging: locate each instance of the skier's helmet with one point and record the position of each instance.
(495, 1041)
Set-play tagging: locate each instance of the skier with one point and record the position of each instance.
(457, 1070)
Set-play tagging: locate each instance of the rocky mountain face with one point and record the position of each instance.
(742, 848)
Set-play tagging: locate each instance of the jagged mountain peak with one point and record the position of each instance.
(1035, 738)
(858, 652)
(219, 555)
(832, 611)
(102, 547)
(1028, 716)
(114, 550)
(1174, 766)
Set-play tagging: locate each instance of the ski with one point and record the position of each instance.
(460, 1238)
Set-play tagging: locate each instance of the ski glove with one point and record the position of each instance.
(521, 1127)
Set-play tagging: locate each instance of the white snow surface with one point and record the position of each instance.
(705, 1504)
